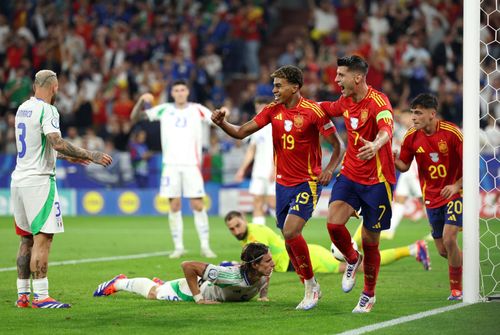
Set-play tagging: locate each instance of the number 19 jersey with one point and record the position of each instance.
(297, 151)
(36, 159)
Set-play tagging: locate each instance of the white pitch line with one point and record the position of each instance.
(403, 319)
(97, 260)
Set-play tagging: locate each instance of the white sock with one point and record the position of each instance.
(140, 286)
(176, 229)
(23, 286)
(41, 288)
(201, 223)
(413, 249)
(259, 220)
(398, 211)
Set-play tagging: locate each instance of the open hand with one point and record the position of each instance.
(368, 150)
(218, 116)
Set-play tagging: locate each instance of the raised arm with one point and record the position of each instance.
(193, 270)
(338, 152)
(136, 114)
(67, 149)
(239, 132)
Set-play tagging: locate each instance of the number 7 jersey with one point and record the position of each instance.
(36, 159)
(439, 160)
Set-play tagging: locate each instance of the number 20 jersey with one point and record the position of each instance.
(439, 160)
(297, 150)
(36, 159)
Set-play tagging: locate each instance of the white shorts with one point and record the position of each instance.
(37, 209)
(177, 181)
(262, 186)
(408, 184)
(174, 290)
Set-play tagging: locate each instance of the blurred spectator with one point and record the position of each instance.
(73, 137)
(18, 89)
(140, 154)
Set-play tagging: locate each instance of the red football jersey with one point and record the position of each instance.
(297, 151)
(365, 119)
(439, 160)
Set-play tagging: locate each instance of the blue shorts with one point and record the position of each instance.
(451, 213)
(299, 200)
(374, 201)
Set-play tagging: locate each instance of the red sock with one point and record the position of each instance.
(294, 262)
(301, 254)
(341, 237)
(455, 277)
(371, 265)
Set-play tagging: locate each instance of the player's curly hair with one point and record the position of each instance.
(425, 100)
(252, 254)
(354, 63)
(291, 73)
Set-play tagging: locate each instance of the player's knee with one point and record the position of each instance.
(443, 253)
(449, 243)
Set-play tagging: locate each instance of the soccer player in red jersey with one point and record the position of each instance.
(367, 175)
(437, 148)
(296, 123)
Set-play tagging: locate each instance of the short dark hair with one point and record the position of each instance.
(425, 100)
(180, 82)
(231, 215)
(354, 63)
(291, 73)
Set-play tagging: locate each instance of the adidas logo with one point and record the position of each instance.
(296, 208)
(279, 117)
(420, 150)
(452, 218)
(376, 226)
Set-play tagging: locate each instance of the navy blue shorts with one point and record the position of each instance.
(299, 200)
(374, 201)
(451, 213)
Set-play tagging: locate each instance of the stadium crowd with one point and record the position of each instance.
(108, 53)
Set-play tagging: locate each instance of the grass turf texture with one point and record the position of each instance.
(404, 288)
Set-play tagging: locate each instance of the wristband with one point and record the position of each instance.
(197, 297)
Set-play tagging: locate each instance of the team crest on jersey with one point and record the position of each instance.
(288, 125)
(434, 157)
(354, 122)
(443, 147)
(346, 114)
(298, 121)
(364, 115)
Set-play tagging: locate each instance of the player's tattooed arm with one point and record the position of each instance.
(263, 291)
(136, 115)
(67, 149)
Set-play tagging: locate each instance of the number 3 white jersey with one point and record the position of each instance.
(36, 159)
(181, 132)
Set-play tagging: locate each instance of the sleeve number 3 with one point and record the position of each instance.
(22, 138)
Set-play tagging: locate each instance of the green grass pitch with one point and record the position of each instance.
(404, 288)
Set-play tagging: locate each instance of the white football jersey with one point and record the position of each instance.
(229, 284)
(36, 159)
(263, 164)
(181, 132)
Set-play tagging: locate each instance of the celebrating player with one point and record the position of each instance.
(321, 258)
(296, 124)
(218, 283)
(262, 185)
(367, 175)
(37, 210)
(437, 148)
(181, 137)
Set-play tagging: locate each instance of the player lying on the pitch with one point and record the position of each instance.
(205, 283)
(321, 258)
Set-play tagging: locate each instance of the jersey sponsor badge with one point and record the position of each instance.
(55, 122)
(298, 121)
(443, 147)
(288, 125)
(354, 122)
(434, 157)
